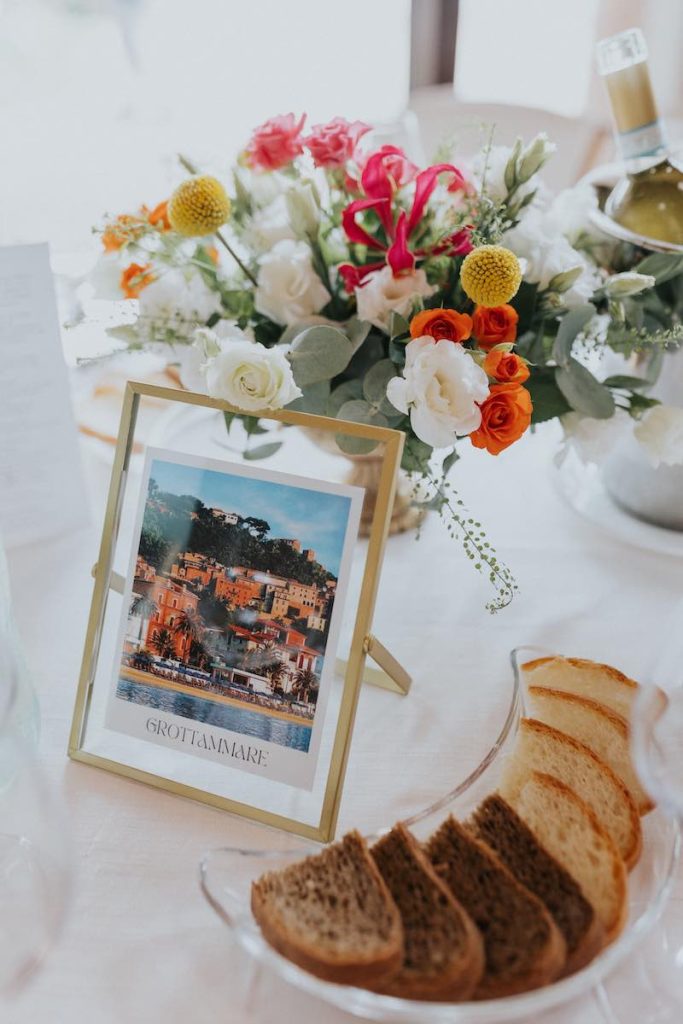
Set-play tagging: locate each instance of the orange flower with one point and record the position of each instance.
(125, 228)
(492, 326)
(441, 323)
(506, 367)
(212, 253)
(158, 217)
(505, 415)
(134, 278)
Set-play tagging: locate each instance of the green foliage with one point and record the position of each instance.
(262, 451)
(314, 399)
(548, 401)
(571, 325)
(661, 266)
(319, 353)
(375, 386)
(584, 393)
(359, 411)
(345, 392)
(416, 455)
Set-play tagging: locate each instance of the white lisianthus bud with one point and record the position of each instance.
(303, 208)
(534, 156)
(660, 432)
(619, 286)
(563, 282)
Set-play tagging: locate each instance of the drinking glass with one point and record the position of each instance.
(649, 988)
(34, 849)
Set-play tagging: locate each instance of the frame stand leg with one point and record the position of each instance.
(389, 675)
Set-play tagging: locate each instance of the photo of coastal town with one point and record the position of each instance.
(231, 599)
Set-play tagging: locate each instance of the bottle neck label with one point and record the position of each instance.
(643, 141)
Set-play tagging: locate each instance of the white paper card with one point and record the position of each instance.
(41, 486)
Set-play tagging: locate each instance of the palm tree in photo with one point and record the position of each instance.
(189, 625)
(275, 673)
(145, 607)
(305, 682)
(162, 642)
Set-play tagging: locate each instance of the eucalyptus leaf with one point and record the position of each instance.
(375, 385)
(359, 411)
(625, 382)
(662, 266)
(319, 353)
(571, 325)
(548, 401)
(262, 451)
(584, 393)
(347, 391)
(314, 399)
(357, 331)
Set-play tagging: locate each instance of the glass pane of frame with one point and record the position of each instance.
(233, 599)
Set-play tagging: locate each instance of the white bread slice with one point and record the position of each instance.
(600, 729)
(566, 826)
(332, 914)
(541, 748)
(584, 678)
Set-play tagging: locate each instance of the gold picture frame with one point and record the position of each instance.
(389, 674)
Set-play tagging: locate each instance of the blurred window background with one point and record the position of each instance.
(98, 96)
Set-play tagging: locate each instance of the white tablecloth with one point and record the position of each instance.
(140, 943)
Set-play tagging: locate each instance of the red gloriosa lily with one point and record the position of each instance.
(380, 187)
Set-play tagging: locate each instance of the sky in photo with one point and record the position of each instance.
(317, 519)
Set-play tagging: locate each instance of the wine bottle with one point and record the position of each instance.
(649, 199)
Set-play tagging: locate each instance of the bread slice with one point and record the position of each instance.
(569, 830)
(444, 952)
(542, 748)
(332, 914)
(522, 945)
(600, 729)
(584, 678)
(496, 823)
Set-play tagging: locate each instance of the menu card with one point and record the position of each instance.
(41, 485)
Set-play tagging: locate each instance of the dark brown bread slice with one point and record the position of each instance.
(523, 947)
(332, 914)
(444, 952)
(497, 824)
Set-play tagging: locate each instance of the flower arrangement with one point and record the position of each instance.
(457, 306)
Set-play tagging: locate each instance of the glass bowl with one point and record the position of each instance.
(226, 875)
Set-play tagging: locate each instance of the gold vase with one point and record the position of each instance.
(364, 471)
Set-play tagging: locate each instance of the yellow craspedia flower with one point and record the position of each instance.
(199, 206)
(490, 275)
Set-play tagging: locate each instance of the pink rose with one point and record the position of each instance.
(332, 144)
(275, 143)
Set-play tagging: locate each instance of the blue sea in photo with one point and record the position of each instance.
(199, 709)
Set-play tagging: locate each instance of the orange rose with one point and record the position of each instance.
(158, 217)
(441, 323)
(506, 367)
(134, 278)
(494, 326)
(505, 415)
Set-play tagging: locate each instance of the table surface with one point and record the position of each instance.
(140, 943)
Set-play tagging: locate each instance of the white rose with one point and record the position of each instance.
(440, 387)
(382, 294)
(660, 432)
(268, 226)
(288, 287)
(593, 439)
(178, 301)
(251, 377)
(206, 344)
